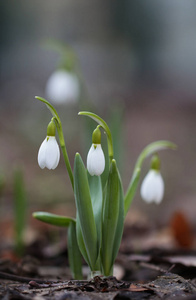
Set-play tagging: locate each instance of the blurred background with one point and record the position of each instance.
(138, 64)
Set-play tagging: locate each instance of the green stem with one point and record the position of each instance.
(64, 150)
(105, 127)
(57, 121)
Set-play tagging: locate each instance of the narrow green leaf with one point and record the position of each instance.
(85, 210)
(20, 205)
(110, 218)
(97, 201)
(104, 125)
(147, 151)
(53, 219)
(120, 223)
(74, 255)
(81, 241)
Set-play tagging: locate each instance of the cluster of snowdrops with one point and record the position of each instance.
(101, 203)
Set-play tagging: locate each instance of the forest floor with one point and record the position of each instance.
(153, 272)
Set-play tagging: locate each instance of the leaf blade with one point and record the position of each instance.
(96, 193)
(85, 210)
(53, 219)
(110, 218)
(74, 255)
(120, 223)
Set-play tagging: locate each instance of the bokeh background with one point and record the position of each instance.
(138, 62)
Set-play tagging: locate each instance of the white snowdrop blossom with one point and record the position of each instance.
(95, 160)
(63, 87)
(49, 153)
(152, 188)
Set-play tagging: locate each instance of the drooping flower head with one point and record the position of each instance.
(63, 87)
(152, 188)
(95, 157)
(49, 153)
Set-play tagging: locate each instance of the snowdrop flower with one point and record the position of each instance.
(152, 188)
(63, 87)
(95, 157)
(95, 160)
(49, 153)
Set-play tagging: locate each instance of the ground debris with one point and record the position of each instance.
(101, 284)
(167, 286)
(170, 286)
(97, 284)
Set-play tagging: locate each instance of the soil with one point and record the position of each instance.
(153, 273)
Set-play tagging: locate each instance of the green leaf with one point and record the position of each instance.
(53, 219)
(74, 255)
(110, 218)
(147, 151)
(20, 207)
(80, 241)
(85, 211)
(97, 201)
(104, 125)
(120, 223)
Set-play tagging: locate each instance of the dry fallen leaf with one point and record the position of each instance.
(181, 229)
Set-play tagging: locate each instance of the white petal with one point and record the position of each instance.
(52, 154)
(152, 188)
(49, 153)
(41, 154)
(95, 160)
(160, 189)
(89, 160)
(57, 158)
(63, 87)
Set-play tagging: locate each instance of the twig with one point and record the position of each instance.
(13, 277)
(4, 275)
(153, 267)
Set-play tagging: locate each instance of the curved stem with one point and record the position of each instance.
(105, 127)
(147, 151)
(57, 121)
(64, 150)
